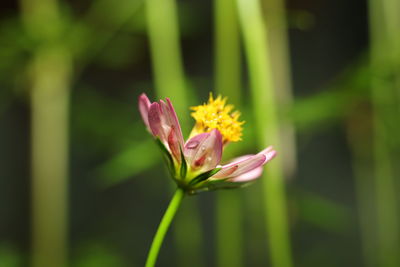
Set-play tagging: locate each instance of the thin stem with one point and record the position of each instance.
(164, 226)
(169, 78)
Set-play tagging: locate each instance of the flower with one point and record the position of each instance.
(195, 164)
(216, 115)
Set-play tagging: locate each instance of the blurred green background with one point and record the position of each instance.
(82, 183)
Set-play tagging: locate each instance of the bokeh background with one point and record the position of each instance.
(83, 184)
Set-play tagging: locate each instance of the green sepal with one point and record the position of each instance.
(218, 184)
(224, 184)
(167, 156)
(183, 170)
(204, 176)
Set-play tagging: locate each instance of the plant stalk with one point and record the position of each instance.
(164, 226)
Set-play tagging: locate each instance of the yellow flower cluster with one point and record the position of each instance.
(217, 115)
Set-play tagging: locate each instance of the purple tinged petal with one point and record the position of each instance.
(174, 145)
(164, 124)
(204, 151)
(144, 106)
(156, 122)
(171, 120)
(175, 122)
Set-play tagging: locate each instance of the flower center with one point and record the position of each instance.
(217, 115)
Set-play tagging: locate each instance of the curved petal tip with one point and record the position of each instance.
(246, 168)
(144, 106)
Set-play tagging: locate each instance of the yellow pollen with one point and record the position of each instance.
(217, 115)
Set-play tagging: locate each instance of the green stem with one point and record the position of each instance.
(164, 226)
(169, 78)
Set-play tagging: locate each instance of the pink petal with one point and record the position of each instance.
(248, 176)
(267, 150)
(193, 144)
(270, 154)
(144, 106)
(204, 151)
(246, 167)
(241, 166)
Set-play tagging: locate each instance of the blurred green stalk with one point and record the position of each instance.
(50, 77)
(364, 184)
(384, 25)
(391, 9)
(265, 109)
(227, 51)
(49, 108)
(275, 17)
(229, 233)
(163, 30)
(115, 18)
(188, 234)
(229, 229)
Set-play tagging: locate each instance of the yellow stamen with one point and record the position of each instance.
(217, 115)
